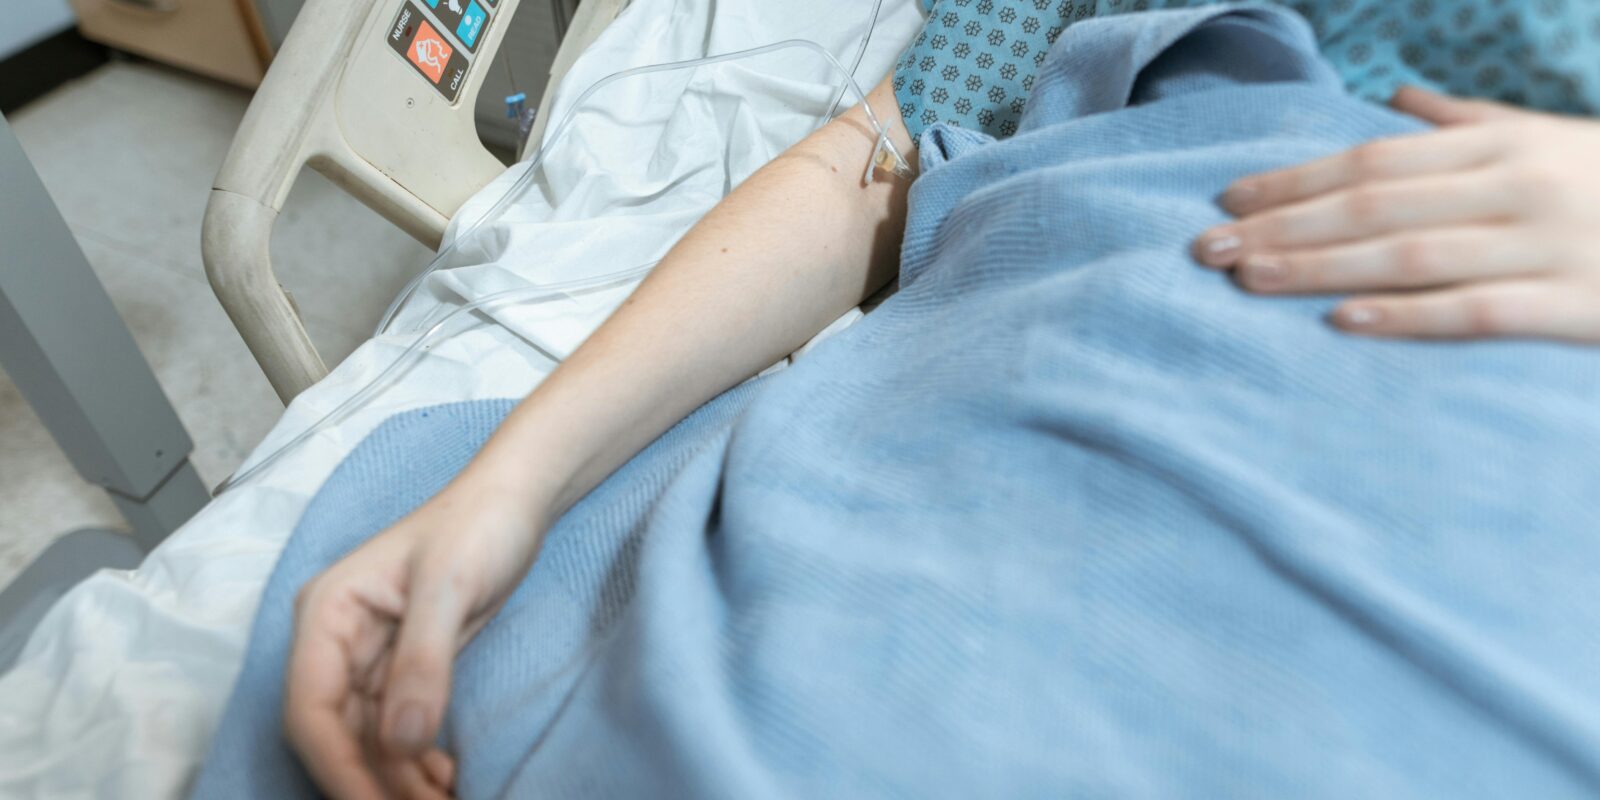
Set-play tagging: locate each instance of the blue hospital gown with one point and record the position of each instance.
(973, 64)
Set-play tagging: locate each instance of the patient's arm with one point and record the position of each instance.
(799, 243)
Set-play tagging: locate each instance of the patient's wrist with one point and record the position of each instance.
(512, 481)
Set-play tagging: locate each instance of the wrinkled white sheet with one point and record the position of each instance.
(118, 690)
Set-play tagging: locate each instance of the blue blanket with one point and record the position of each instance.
(1066, 516)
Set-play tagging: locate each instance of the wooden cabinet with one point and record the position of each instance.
(220, 38)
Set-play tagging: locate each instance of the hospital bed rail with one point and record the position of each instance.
(378, 96)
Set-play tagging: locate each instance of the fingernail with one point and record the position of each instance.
(1219, 248)
(1264, 271)
(1239, 196)
(408, 730)
(1358, 316)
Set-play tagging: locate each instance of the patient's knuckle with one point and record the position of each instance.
(1534, 185)
(1303, 271)
(1487, 315)
(1365, 207)
(1419, 260)
(417, 663)
(1270, 230)
(1274, 188)
(304, 598)
(1371, 160)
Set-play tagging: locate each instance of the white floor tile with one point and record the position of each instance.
(41, 496)
(128, 154)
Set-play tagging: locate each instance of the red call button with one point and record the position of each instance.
(429, 51)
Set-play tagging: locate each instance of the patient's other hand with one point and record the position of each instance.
(377, 633)
(1487, 226)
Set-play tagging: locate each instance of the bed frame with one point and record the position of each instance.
(341, 98)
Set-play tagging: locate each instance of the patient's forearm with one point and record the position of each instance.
(793, 247)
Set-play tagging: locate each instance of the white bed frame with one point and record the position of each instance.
(339, 99)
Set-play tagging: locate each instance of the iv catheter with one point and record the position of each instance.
(884, 156)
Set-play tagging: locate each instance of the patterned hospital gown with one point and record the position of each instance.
(973, 65)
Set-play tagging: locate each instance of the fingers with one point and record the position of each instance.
(1365, 211)
(1465, 207)
(1520, 308)
(1417, 260)
(1384, 159)
(1441, 109)
(418, 684)
(441, 769)
(409, 779)
(318, 708)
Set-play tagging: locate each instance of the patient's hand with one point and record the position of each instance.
(1488, 226)
(375, 637)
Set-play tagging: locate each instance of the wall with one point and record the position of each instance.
(28, 21)
(276, 17)
(528, 49)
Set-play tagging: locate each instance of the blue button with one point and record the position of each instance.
(433, 3)
(471, 25)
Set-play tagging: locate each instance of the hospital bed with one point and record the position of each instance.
(120, 687)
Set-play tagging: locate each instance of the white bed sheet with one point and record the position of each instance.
(118, 691)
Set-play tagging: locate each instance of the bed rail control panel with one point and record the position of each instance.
(464, 18)
(379, 96)
(439, 43)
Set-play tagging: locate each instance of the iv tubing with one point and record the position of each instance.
(884, 155)
(855, 64)
(421, 343)
(526, 179)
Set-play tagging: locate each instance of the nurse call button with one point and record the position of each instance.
(429, 51)
(421, 44)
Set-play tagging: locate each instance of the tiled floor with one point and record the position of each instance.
(128, 154)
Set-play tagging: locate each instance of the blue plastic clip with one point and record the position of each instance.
(515, 104)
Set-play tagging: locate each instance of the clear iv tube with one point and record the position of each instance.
(848, 82)
(560, 288)
(421, 343)
(855, 64)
